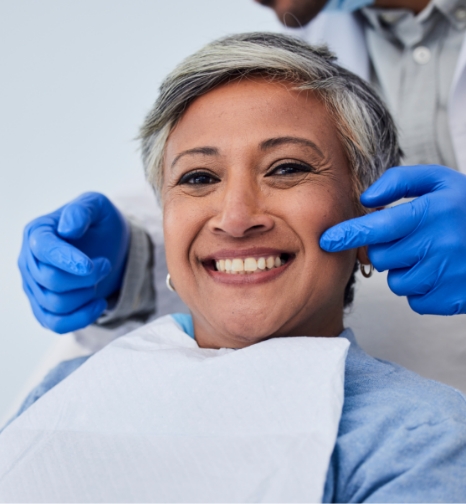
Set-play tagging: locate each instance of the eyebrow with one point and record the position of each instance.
(205, 151)
(278, 141)
(265, 145)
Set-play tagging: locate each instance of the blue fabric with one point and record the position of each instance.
(346, 5)
(402, 438)
(185, 321)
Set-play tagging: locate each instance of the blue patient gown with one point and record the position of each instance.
(402, 438)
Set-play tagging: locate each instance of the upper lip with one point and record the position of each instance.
(255, 252)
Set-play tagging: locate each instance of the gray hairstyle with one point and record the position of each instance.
(365, 127)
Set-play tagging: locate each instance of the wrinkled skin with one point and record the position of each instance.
(253, 165)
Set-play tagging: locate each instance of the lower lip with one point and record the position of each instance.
(248, 278)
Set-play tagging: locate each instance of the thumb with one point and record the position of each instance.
(74, 221)
(77, 216)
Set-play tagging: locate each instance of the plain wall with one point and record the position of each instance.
(77, 78)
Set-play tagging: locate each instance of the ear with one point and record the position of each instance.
(362, 256)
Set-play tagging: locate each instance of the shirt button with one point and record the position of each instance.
(460, 14)
(421, 55)
(390, 17)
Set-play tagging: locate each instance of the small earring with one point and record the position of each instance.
(366, 274)
(168, 281)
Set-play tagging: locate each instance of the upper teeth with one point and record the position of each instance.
(248, 265)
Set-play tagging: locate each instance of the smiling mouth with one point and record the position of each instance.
(248, 265)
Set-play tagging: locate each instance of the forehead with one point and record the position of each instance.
(248, 111)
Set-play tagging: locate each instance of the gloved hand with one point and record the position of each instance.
(422, 243)
(72, 259)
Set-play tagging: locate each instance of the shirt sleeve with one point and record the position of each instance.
(136, 299)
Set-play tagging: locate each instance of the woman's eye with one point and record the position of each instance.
(290, 169)
(198, 178)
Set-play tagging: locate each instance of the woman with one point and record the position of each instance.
(256, 145)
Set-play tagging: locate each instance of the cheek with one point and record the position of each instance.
(183, 218)
(179, 225)
(315, 208)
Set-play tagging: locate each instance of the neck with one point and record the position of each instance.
(241, 333)
(415, 5)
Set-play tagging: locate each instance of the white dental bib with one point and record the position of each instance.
(154, 418)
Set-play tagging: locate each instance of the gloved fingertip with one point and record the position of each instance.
(331, 240)
(325, 243)
(365, 197)
(369, 198)
(73, 222)
(80, 266)
(69, 259)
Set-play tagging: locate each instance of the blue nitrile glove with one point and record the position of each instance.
(422, 243)
(72, 259)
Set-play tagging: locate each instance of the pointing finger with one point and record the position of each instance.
(378, 227)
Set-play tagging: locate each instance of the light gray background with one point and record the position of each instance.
(77, 78)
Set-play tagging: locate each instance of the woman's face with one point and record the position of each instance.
(253, 174)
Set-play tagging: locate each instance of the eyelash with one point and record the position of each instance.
(297, 167)
(191, 177)
(188, 178)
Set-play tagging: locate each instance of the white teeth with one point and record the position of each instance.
(249, 265)
(220, 265)
(237, 265)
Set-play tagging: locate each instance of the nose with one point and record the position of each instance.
(242, 211)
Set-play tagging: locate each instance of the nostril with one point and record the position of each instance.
(256, 228)
(241, 220)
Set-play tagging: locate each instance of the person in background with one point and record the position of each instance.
(88, 263)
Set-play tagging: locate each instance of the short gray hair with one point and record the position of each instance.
(365, 127)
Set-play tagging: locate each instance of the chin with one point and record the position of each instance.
(248, 329)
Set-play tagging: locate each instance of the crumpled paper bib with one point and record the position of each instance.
(154, 418)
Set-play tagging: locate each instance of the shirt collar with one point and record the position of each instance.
(409, 29)
(454, 11)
